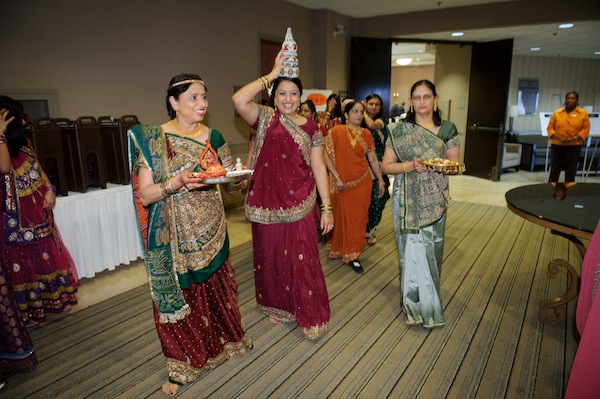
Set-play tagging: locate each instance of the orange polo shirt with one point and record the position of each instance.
(573, 124)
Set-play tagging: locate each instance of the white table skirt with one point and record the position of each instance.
(99, 228)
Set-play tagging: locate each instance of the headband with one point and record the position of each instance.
(186, 82)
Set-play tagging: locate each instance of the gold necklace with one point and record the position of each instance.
(428, 126)
(353, 135)
(182, 132)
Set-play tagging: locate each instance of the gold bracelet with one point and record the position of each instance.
(326, 208)
(264, 81)
(404, 165)
(381, 183)
(161, 190)
(169, 188)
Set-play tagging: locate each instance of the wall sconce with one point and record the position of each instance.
(339, 30)
(395, 95)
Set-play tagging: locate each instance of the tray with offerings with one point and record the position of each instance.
(234, 176)
(444, 166)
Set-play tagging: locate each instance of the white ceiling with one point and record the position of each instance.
(581, 41)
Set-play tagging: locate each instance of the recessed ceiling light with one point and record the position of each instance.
(403, 61)
(457, 34)
(535, 49)
(565, 26)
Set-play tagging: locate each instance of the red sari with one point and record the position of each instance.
(186, 250)
(583, 381)
(289, 280)
(41, 269)
(351, 205)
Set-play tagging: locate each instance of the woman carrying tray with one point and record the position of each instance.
(419, 201)
(184, 233)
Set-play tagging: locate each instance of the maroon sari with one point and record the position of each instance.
(16, 348)
(38, 264)
(289, 280)
(583, 381)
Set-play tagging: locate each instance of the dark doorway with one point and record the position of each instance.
(370, 69)
(488, 96)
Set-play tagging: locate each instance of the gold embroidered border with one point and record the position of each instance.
(288, 215)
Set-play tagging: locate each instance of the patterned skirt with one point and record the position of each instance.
(210, 334)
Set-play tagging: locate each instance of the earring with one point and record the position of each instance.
(434, 106)
(410, 110)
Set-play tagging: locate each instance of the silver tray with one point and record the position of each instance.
(234, 176)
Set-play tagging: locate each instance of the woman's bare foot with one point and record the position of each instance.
(169, 388)
(274, 320)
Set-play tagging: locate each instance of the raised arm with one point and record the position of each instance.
(4, 154)
(243, 99)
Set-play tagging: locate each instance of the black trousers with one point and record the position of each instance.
(564, 157)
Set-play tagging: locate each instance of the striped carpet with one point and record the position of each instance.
(493, 346)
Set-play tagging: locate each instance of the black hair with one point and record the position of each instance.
(573, 92)
(337, 111)
(176, 91)
(15, 131)
(278, 81)
(311, 105)
(437, 114)
(348, 107)
(380, 113)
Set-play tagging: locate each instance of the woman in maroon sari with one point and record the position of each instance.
(289, 169)
(184, 234)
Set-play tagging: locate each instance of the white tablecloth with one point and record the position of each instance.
(99, 228)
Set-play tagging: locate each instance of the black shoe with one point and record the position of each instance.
(356, 266)
(560, 191)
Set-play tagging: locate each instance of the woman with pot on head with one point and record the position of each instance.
(289, 171)
(568, 129)
(419, 202)
(373, 120)
(351, 159)
(184, 234)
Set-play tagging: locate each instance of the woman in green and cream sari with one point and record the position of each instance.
(419, 202)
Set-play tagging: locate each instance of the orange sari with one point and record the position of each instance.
(348, 152)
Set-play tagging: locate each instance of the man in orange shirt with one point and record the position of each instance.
(568, 129)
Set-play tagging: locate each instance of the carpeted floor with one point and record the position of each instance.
(493, 346)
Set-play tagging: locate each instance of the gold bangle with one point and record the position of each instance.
(326, 208)
(264, 81)
(381, 183)
(404, 165)
(161, 190)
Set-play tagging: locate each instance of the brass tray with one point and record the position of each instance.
(234, 176)
(444, 166)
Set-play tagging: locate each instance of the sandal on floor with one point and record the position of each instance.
(356, 266)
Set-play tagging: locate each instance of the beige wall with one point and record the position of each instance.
(404, 77)
(452, 76)
(557, 76)
(117, 57)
